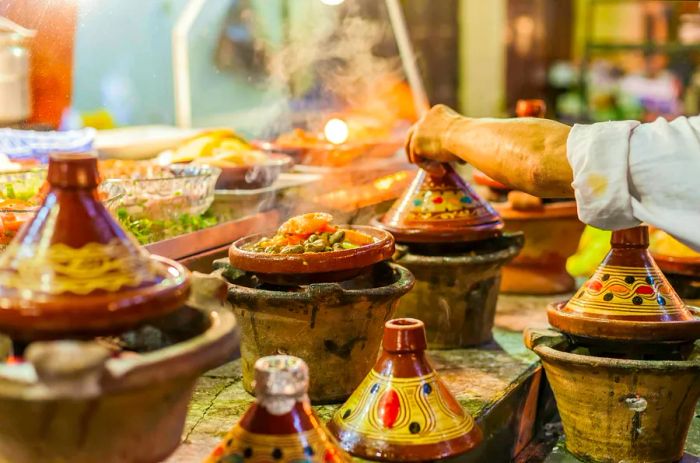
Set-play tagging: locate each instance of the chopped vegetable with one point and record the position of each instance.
(310, 233)
(149, 231)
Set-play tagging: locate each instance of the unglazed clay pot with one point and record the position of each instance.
(72, 270)
(280, 425)
(334, 327)
(79, 402)
(613, 410)
(455, 293)
(403, 411)
(627, 300)
(552, 233)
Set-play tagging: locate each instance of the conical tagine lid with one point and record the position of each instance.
(72, 270)
(402, 411)
(441, 208)
(280, 425)
(627, 299)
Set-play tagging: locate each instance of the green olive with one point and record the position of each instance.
(337, 237)
(295, 249)
(316, 246)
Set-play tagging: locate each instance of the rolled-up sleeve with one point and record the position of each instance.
(626, 173)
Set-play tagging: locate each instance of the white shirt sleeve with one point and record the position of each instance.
(626, 173)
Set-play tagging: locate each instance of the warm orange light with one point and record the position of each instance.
(336, 131)
(386, 182)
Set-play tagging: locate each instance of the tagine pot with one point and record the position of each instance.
(627, 301)
(334, 327)
(403, 411)
(613, 410)
(73, 271)
(456, 292)
(280, 425)
(552, 233)
(452, 241)
(80, 402)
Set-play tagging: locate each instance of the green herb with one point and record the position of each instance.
(149, 231)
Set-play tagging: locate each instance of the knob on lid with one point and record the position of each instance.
(73, 170)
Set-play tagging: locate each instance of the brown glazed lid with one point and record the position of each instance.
(280, 425)
(627, 299)
(441, 208)
(72, 270)
(402, 411)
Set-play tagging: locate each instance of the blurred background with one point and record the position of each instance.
(111, 63)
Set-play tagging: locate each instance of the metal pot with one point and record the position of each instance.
(15, 98)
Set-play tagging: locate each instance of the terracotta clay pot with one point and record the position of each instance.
(72, 270)
(627, 300)
(280, 425)
(334, 327)
(312, 267)
(403, 411)
(85, 405)
(455, 294)
(552, 235)
(614, 410)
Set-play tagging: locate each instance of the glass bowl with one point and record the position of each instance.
(23, 185)
(13, 218)
(190, 190)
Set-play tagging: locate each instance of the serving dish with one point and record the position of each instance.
(142, 142)
(309, 263)
(251, 177)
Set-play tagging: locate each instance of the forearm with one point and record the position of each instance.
(527, 154)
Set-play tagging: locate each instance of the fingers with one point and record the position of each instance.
(408, 147)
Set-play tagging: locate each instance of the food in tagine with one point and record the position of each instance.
(313, 232)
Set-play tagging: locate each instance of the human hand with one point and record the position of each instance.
(425, 140)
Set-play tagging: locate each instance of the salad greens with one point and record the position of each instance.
(148, 231)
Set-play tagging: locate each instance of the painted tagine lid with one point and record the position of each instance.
(627, 299)
(280, 425)
(441, 207)
(402, 411)
(72, 270)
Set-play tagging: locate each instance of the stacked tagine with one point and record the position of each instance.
(551, 227)
(280, 425)
(452, 241)
(623, 370)
(72, 273)
(403, 411)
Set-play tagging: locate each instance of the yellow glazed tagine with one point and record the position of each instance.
(403, 411)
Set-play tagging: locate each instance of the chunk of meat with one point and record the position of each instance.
(308, 224)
